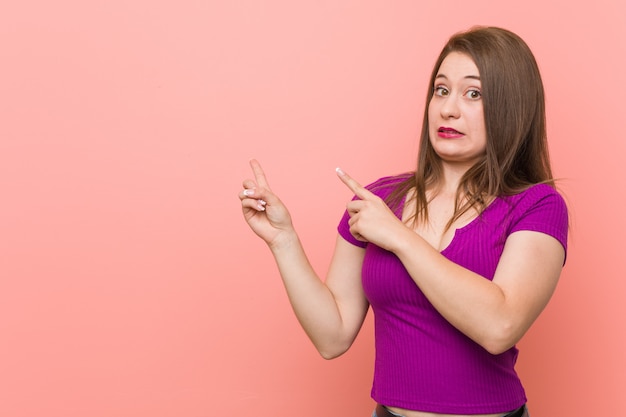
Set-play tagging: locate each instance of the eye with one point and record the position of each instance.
(473, 94)
(441, 91)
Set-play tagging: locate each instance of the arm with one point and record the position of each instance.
(330, 312)
(495, 314)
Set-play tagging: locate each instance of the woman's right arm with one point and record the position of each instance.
(330, 312)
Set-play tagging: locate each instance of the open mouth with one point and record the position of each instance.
(449, 130)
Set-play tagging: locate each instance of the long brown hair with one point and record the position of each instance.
(514, 109)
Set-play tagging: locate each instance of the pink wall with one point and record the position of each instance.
(129, 283)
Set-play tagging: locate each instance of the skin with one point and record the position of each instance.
(495, 314)
(457, 104)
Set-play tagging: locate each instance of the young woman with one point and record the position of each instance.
(458, 258)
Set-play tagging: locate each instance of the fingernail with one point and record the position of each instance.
(248, 192)
(339, 171)
(261, 207)
(263, 202)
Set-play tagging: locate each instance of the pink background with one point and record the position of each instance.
(129, 283)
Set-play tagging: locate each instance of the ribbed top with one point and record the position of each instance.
(422, 361)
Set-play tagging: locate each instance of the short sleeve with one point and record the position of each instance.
(543, 210)
(344, 231)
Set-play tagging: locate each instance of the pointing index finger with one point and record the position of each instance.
(352, 184)
(259, 174)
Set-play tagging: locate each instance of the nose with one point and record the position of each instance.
(450, 108)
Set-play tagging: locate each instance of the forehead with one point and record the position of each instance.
(458, 65)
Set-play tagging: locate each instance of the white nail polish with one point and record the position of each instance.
(248, 193)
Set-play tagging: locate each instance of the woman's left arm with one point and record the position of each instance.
(495, 314)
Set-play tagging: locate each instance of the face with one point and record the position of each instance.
(456, 122)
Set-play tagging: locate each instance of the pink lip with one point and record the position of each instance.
(448, 133)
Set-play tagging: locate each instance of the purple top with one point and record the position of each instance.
(422, 361)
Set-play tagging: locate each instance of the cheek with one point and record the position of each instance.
(478, 124)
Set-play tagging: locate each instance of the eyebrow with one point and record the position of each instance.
(471, 77)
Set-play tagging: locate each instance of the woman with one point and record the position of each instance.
(458, 258)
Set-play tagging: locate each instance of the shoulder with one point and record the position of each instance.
(539, 208)
(543, 195)
(384, 186)
(541, 190)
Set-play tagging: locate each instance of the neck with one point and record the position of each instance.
(451, 178)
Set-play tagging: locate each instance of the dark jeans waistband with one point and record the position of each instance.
(520, 412)
(381, 411)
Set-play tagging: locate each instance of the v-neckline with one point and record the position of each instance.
(458, 230)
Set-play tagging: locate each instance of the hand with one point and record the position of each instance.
(371, 220)
(266, 215)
